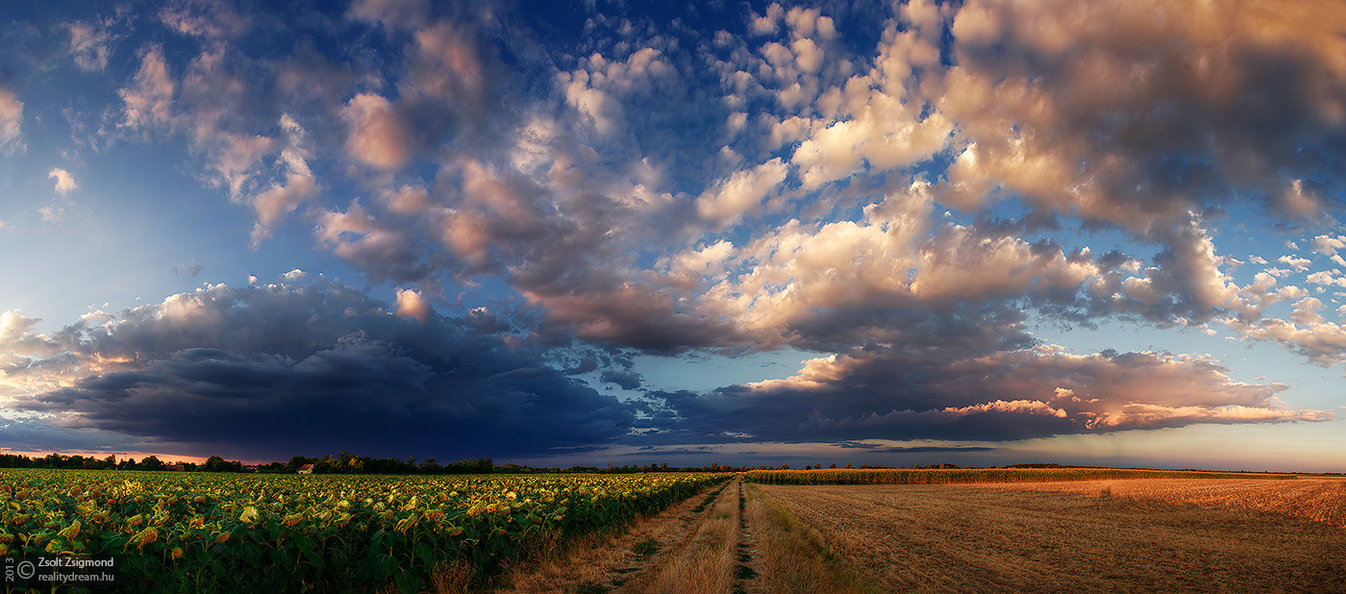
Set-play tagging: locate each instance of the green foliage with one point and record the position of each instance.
(231, 533)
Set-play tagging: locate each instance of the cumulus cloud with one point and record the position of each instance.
(305, 364)
(1306, 333)
(1328, 244)
(742, 193)
(597, 88)
(1037, 100)
(378, 137)
(411, 304)
(65, 183)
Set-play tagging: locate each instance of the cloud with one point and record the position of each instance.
(597, 88)
(1306, 333)
(202, 19)
(1299, 264)
(742, 193)
(1038, 107)
(65, 183)
(899, 393)
(89, 46)
(148, 100)
(299, 185)
(1328, 244)
(908, 196)
(307, 365)
(378, 137)
(626, 379)
(384, 250)
(411, 304)
(11, 121)
(881, 449)
(404, 14)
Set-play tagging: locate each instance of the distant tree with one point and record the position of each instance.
(832, 465)
(150, 463)
(218, 464)
(295, 462)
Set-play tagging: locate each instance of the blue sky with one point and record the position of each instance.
(750, 233)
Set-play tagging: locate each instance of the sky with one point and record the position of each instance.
(629, 232)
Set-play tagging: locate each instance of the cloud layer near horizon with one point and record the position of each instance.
(896, 192)
(309, 363)
(302, 363)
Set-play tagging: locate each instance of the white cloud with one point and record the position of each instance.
(1328, 245)
(65, 183)
(1295, 262)
(1327, 278)
(742, 194)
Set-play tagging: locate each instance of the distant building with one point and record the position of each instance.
(306, 469)
(179, 467)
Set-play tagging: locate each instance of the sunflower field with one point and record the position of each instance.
(176, 532)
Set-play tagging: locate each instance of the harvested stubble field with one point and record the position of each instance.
(1156, 534)
(1312, 498)
(1078, 536)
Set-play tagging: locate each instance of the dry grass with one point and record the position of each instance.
(1318, 499)
(706, 562)
(452, 578)
(791, 556)
(964, 538)
(617, 561)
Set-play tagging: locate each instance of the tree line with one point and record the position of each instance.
(349, 463)
(340, 463)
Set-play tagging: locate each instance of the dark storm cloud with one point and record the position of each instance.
(312, 366)
(629, 380)
(892, 393)
(881, 449)
(42, 435)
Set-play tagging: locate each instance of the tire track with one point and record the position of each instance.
(626, 562)
(746, 571)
